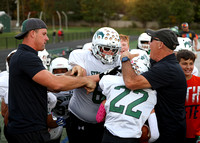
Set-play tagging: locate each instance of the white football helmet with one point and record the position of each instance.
(143, 42)
(59, 63)
(12, 52)
(184, 43)
(141, 63)
(44, 56)
(106, 39)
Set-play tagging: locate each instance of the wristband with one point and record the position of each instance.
(124, 59)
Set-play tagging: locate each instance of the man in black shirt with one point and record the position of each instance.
(167, 78)
(28, 84)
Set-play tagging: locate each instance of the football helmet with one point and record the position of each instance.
(143, 42)
(184, 43)
(59, 63)
(44, 56)
(104, 40)
(141, 63)
(8, 59)
(175, 30)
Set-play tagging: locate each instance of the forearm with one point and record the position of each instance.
(131, 79)
(196, 44)
(128, 74)
(64, 83)
(153, 125)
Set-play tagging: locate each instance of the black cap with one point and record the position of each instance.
(167, 36)
(30, 24)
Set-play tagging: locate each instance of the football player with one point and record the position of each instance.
(143, 42)
(4, 78)
(126, 110)
(186, 44)
(83, 107)
(58, 111)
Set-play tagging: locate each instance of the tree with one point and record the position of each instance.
(166, 12)
(182, 11)
(144, 10)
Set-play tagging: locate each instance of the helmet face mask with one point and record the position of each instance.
(143, 42)
(106, 45)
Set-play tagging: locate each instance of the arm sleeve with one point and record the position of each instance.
(153, 125)
(100, 117)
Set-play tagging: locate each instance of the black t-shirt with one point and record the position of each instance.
(27, 99)
(190, 34)
(168, 79)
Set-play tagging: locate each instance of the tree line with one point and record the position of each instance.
(165, 12)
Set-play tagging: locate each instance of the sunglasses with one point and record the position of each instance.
(153, 38)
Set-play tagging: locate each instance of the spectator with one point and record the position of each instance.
(59, 66)
(54, 36)
(60, 35)
(28, 84)
(186, 32)
(167, 78)
(186, 60)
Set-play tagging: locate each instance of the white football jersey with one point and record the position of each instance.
(126, 110)
(83, 105)
(4, 77)
(61, 109)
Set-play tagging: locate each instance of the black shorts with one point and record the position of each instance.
(80, 131)
(41, 136)
(110, 138)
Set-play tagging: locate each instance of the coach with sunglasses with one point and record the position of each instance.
(167, 78)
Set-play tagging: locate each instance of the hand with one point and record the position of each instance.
(77, 71)
(113, 71)
(90, 86)
(61, 121)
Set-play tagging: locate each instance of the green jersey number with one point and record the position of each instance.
(129, 112)
(97, 96)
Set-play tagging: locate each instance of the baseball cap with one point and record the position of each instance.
(165, 35)
(184, 25)
(30, 24)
